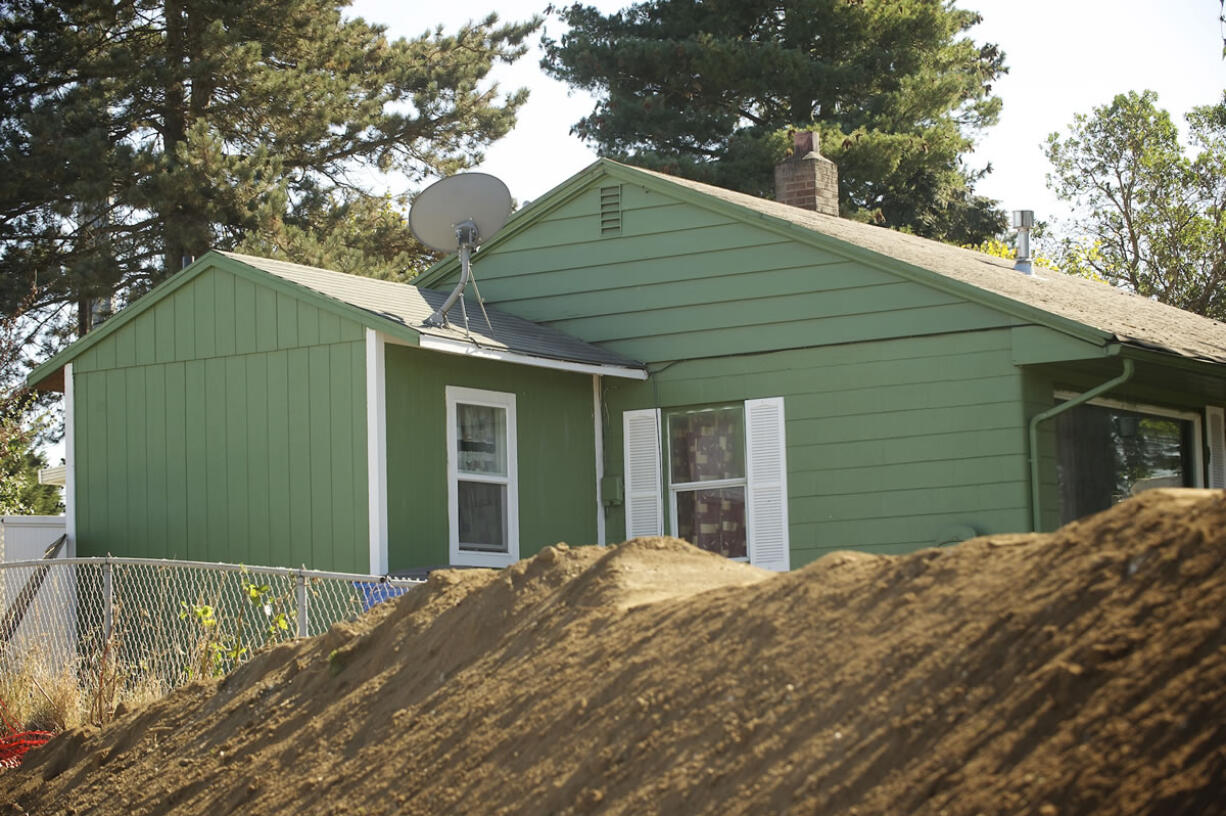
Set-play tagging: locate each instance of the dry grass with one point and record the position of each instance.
(42, 695)
(43, 698)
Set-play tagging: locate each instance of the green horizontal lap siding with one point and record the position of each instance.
(555, 439)
(226, 423)
(889, 443)
(682, 282)
(905, 409)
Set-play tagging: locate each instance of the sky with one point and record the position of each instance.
(1064, 57)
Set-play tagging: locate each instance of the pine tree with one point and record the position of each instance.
(709, 90)
(140, 132)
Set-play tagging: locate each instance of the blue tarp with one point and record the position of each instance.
(374, 592)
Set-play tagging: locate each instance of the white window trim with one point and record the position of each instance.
(1215, 444)
(456, 395)
(1198, 436)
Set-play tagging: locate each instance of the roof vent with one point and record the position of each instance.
(1023, 221)
(611, 210)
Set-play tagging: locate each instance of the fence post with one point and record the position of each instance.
(108, 599)
(303, 602)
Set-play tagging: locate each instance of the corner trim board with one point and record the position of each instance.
(598, 431)
(376, 451)
(70, 475)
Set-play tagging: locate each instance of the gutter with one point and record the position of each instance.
(1080, 399)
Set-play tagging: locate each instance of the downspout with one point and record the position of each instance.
(598, 434)
(1080, 399)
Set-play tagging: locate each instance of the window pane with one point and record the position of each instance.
(713, 520)
(1107, 454)
(483, 516)
(706, 445)
(482, 442)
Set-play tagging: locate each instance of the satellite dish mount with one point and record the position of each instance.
(458, 213)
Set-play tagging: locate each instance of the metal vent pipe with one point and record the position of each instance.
(1023, 222)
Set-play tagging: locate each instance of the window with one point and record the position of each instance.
(482, 485)
(726, 468)
(1108, 451)
(706, 454)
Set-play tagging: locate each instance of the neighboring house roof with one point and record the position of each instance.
(1064, 302)
(57, 475)
(409, 306)
(399, 309)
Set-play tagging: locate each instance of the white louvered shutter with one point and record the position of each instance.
(767, 502)
(1215, 430)
(644, 508)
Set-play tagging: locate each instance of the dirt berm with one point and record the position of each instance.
(1078, 672)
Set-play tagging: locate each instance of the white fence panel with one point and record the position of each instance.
(48, 624)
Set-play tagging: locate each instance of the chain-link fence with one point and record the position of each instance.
(138, 627)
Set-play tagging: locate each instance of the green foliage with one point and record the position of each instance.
(20, 492)
(23, 419)
(136, 133)
(276, 622)
(220, 646)
(1151, 216)
(216, 651)
(1070, 257)
(710, 91)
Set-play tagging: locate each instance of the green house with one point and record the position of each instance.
(766, 380)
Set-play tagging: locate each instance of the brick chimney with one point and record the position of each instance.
(807, 179)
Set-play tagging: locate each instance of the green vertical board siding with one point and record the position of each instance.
(209, 428)
(889, 443)
(196, 542)
(177, 434)
(204, 317)
(216, 453)
(280, 537)
(555, 438)
(136, 475)
(184, 303)
(320, 467)
(244, 317)
(258, 489)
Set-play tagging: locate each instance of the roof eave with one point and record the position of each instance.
(465, 348)
(1140, 352)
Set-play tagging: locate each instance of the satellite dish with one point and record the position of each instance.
(458, 213)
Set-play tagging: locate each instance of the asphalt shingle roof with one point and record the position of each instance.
(1130, 318)
(410, 306)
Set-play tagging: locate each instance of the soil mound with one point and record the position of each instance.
(1077, 672)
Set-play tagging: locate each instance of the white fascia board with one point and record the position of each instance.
(448, 346)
